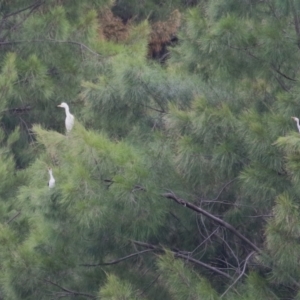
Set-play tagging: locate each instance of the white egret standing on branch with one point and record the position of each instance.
(297, 121)
(51, 182)
(69, 117)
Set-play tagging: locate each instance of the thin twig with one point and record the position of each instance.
(232, 252)
(17, 109)
(153, 94)
(12, 218)
(51, 41)
(151, 283)
(74, 293)
(176, 218)
(282, 74)
(29, 132)
(37, 3)
(33, 7)
(223, 188)
(205, 239)
(185, 257)
(113, 262)
(158, 110)
(243, 272)
(281, 83)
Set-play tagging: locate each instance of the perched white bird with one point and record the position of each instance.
(69, 117)
(297, 121)
(51, 182)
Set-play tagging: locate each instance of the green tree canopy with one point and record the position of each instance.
(180, 177)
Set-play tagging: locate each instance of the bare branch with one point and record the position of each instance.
(225, 203)
(154, 95)
(27, 128)
(34, 5)
(202, 264)
(17, 110)
(281, 83)
(185, 257)
(12, 218)
(223, 188)
(210, 216)
(158, 110)
(176, 218)
(151, 283)
(51, 41)
(113, 262)
(74, 293)
(272, 67)
(243, 272)
(206, 239)
(282, 74)
(231, 250)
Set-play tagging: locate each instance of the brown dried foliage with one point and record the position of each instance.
(112, 27)
(163, 32)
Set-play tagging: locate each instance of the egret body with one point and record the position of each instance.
(69, 117)
(297, 122)
(51, 182)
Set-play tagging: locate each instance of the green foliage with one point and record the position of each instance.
(256, 287)
(174, 172)
(184, 283)
(115, 289)
(7, 78)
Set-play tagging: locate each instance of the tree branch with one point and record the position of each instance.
(158, 110)
(272, 67)
(153, 94)
(17, 110)
(152, 248)
(281, 83)
(51, 41)
(31, 7)
(113, 262)
(74, 293)
(36, 4)
(12, 218)
(210, 216)
(27, 128)
(151, 283)
(222, 189)
(282, 74)
(202, 264)
(207, 238)
(185, 257)
(232, 252)
(243, 272)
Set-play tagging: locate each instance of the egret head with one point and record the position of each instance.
(63, 105)
(49, 169)
(295, 119)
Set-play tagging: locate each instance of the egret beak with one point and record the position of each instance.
(59, 105)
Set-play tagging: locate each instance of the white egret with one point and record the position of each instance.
(297, 121)
(69, 117)
(51, 182)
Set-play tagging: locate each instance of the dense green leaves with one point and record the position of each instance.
(180, 178)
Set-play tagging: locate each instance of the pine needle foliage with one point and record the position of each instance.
(179, 179)
(184, 283)
(116, 290)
